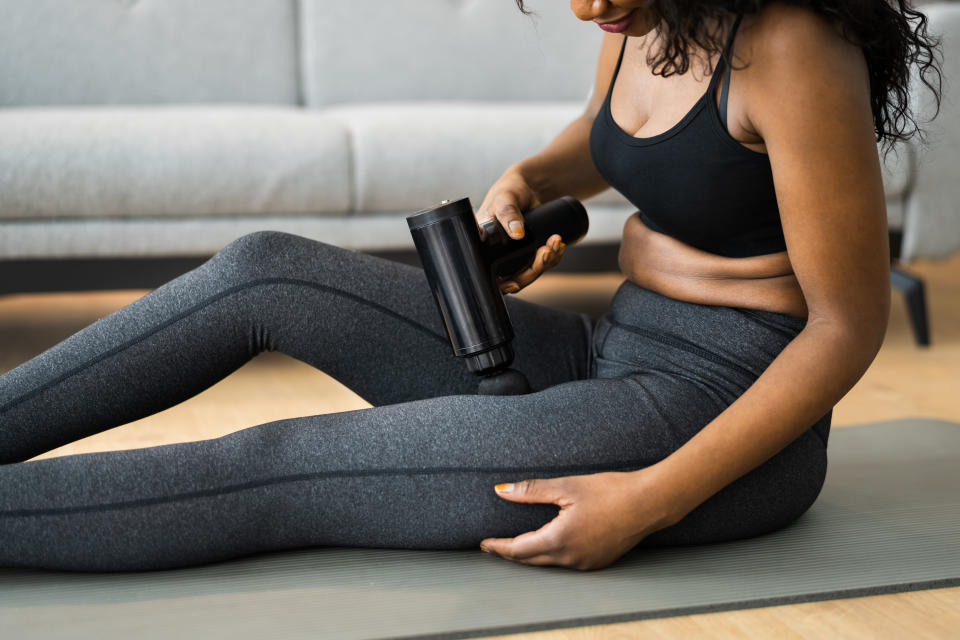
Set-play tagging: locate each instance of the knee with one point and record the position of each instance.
(268, 254)
(257, 245)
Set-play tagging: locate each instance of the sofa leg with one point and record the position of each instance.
(913, 290)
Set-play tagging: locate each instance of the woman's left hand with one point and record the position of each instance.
(602, 516)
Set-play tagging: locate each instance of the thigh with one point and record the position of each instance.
(370, 323)
(373, 324)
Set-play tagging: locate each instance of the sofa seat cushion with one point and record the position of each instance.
(409, 156)
(103, 162)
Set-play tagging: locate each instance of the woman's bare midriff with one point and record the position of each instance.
(669, 267)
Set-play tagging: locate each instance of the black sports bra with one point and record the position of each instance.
(693, 182)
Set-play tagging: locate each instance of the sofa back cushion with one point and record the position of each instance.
(147, 51)
(377, 50)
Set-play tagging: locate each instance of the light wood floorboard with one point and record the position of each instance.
(904, 381)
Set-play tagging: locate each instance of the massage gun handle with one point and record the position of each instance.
(506, 256)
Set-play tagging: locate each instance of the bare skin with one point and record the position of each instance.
(665, 265)
(656, 261)
(803, 99)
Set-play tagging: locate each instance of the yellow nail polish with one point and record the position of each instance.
(505, 487)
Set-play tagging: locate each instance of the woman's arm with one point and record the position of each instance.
(811, 105)
(809, 99)
(564, 166)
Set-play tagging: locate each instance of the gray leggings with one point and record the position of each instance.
(415, 471)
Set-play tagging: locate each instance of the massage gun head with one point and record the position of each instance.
(506, 382)
(462, 264)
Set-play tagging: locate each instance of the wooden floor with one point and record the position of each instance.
(904, 381)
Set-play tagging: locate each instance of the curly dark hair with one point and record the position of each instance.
(892, 34)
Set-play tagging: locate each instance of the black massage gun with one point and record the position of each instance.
(462, 261)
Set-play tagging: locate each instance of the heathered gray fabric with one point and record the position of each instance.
(417, 470)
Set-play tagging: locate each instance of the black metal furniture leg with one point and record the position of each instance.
(913, 290)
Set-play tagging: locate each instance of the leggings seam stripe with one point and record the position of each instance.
(198, 307)
(319, 475)
(686, 346)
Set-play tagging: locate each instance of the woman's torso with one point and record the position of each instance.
(708, 229)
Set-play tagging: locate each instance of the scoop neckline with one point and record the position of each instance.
(659, 137)
(706, 98)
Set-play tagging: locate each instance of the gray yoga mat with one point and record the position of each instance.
(888, 520)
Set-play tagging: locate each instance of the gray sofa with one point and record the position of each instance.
(169, 128)
(149, 129)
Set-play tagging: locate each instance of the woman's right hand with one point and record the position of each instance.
(506, 201)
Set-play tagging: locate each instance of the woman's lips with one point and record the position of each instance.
(618, 26)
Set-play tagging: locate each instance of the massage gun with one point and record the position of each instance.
(462, 261)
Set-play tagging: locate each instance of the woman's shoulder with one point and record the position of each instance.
(782, 34)
(795, 67)
(787, 51)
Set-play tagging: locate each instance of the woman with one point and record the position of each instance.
(698, 410)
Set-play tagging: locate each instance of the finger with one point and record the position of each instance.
(542, 542)
(536, 268)
(550, 256)
(556, 245)
(544, 259)
(509, 287)
(539, 491)
(482, 216)
(539, 559)
(553, 259)
(507, 212)
(547, 257)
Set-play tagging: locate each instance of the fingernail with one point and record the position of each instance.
(506, 487)
(513, 288)
(516, 228)
(563, 246)
(484, 549)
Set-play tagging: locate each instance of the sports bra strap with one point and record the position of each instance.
(723, 67)
(616, 70)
